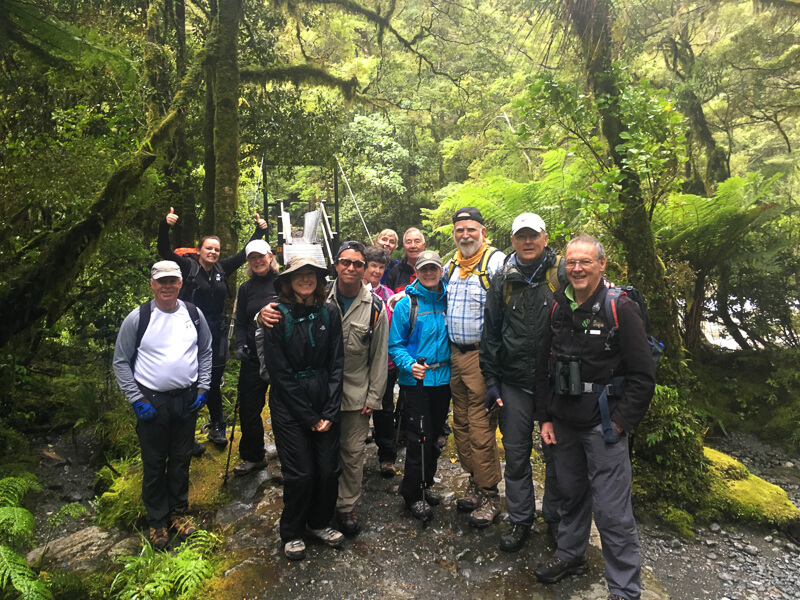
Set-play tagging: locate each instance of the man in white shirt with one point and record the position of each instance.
(162, 361)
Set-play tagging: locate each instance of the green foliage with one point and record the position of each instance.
(17, 525)
(563, 112)
(121, 505)
(668, 453)
(12, 489)
(16, 532)
(156, 574)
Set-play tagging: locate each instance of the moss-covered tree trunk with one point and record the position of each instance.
(40, 283)
(591, 23)
(226, 122)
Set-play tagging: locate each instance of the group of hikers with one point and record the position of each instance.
(507, 340)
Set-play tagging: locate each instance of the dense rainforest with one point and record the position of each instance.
(668, 129)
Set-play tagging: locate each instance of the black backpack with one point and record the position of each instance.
(144, 320)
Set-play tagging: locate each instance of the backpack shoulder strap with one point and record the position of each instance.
(483, 269)
(413, 311)
(144, 320)
(450, 270)
(557, 274)
(610, 303)
(189, 287)
(290, 321)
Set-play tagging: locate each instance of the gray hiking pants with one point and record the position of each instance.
(516, 425)
(594, 476)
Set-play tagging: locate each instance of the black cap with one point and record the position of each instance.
(352, 245)
(468, 213)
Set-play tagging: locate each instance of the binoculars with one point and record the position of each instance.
(568, 376)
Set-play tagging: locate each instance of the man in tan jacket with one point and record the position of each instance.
(365, 332)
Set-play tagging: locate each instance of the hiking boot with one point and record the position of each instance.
(216, 433)
(159, 537)
(329, 535)
(387, 469)
(441, 442)
(616, 597)
(348, 522)
(295, 549)
(183, 525)
(370, 436)
(432, 497)
(420, 510)
(556, 569)
(487, 510)
(471, 498)
(514, 538)
(198, 449)
(246, 466)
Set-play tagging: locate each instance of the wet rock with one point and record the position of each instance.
(230, 513)
(82, 550)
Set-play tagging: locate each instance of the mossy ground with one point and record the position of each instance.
(738, 495)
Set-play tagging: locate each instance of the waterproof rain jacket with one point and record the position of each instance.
(516, 318)
(584, 334)
(305, 371)
(428, 338)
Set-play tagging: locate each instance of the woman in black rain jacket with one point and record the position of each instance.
(303, 355)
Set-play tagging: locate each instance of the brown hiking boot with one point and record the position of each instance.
(487, 510)
(471, 498)
(387, 469)
(183, 525)
(159, 538)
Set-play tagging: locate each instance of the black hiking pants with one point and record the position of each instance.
(310, 466)
(252, 396)
(166, 443)
(432, 405)
(384, 421)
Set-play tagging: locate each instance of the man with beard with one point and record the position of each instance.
(474, 429)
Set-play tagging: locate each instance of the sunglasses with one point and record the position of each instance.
(346, 262)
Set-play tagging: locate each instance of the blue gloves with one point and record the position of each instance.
(199, 402)
(144, 411)
(490, 398)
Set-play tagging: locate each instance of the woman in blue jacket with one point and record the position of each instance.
(418, 345)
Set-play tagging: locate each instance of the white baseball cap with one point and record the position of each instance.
(529, 221)
(259, 246)
(165, 268)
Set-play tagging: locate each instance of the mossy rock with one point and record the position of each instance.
(738, 495)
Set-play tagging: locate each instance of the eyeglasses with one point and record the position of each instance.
(346, 262)
(584, 262)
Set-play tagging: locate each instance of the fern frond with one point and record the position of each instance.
(72, 510)
(33, 589)
(203, 542)
(16, 525)
(12, 489)
(190, 574)
(14, 569)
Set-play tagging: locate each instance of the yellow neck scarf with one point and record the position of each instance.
(466, 266)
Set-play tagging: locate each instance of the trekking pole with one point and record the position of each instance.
(398, 411)
(423, 484)
(230, 442)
